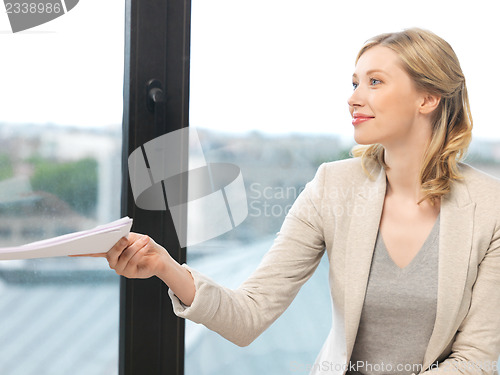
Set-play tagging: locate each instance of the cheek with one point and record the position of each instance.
(395, 104)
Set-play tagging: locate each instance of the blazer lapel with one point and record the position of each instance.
(455, 243)
(365, 220)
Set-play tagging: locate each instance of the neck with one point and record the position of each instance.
(403, 174)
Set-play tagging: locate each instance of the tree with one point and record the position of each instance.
(73, 182)
(6, 170)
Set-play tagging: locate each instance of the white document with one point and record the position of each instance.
(97, 240)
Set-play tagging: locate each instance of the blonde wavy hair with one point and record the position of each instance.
(434, 67)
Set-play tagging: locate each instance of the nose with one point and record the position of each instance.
(355, 99)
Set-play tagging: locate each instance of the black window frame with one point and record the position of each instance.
(157, 46)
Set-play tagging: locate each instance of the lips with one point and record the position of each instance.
(358, 118)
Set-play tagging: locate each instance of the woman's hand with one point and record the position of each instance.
(136, 257)
(140, 257)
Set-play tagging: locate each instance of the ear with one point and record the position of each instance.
(429, 103)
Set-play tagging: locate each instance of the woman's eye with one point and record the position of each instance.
(374, 81)
(354, 85)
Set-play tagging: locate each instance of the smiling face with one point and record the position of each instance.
(386, 106)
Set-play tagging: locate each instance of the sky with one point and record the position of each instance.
(270, 65)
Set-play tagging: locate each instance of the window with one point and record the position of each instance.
(156, 48)
(60, 172)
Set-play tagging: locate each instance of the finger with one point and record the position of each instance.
(130, 252)
(114, 253)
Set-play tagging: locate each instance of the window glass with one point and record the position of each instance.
(269, 86)
(60, 172)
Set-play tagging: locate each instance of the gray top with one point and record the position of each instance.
(398, 313)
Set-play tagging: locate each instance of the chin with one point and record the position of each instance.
(362, 139)
(368, 136)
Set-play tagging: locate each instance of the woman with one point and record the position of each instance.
(412, 234)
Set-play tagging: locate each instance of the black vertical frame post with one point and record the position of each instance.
(157, 41)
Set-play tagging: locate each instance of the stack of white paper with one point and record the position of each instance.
(97, 240)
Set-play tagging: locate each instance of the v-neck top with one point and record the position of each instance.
(399, 311)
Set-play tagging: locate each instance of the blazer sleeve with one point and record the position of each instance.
(241, 315)
(477, 343)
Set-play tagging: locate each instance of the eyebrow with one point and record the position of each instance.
(371, 71)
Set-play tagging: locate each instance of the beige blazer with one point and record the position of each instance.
(339, 212)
